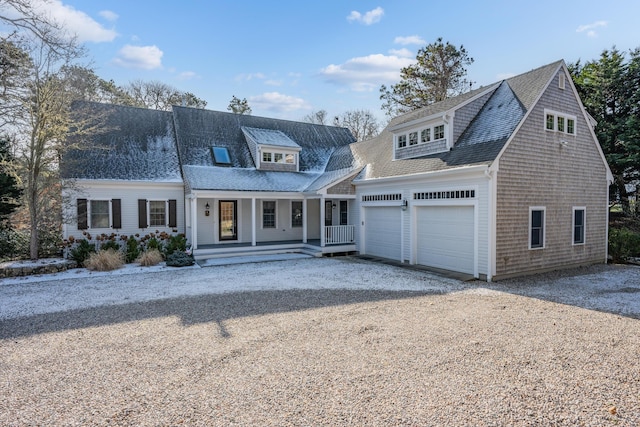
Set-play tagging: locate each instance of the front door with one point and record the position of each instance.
(228, 226)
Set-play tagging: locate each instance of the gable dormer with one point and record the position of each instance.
(272, 150)
(428, 135)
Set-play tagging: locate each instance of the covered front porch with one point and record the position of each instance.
(224, 224)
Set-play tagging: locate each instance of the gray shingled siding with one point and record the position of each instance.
(425, 149)
(536, 170)
(280, 167)
(343, 187)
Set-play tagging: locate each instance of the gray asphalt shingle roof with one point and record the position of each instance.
(268, 137)
(133, 144)
(481, 141)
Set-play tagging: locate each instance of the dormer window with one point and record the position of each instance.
(272, 149)
(421, 139)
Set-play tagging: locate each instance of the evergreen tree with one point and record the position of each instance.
(237, 106)
(438, 74)
(610, 90)
(9, 190)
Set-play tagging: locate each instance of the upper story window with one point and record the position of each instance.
(269, 157)
(559, 122)
(402, 141)
(421, 136)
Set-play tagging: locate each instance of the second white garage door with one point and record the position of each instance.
(445, 237)
(382, 232)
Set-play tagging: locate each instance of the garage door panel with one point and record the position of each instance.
(383, 232)
(445, 237)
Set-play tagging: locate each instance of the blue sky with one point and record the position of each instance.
(289, 58)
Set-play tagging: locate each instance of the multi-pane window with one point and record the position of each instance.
(413, 138)
(536, 228)
(157, 213)
(290, 158)
(550, 121)
(99, 214)
(296, 213)
(402, 141)
(344, 213)
(278, 157)
(268, 214)
(438, 132)
(578, 225)
(560, 122)
(267, 157)
(425, 135)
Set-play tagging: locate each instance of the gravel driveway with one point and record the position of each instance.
(331, 341)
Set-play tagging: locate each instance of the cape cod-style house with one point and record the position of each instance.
(504, 180)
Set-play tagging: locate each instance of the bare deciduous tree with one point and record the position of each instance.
(362, 124)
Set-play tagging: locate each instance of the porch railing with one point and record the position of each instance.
(335, 234)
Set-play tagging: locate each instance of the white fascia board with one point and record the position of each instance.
(278, 148)
(111, 183)
(212, 194)
(456, 173)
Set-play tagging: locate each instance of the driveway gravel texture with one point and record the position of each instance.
(311, 342)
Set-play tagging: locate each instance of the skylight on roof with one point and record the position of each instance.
(221, 155)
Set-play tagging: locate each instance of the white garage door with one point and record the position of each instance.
(382, 232)
(446, 237)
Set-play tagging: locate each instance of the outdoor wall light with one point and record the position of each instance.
(333, 206)
(206, 209)
(405, 204)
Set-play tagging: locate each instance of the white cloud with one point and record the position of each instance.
(409, 40)
(79, 23)
(250, 76)
(405, 53)
(272, 82)
(109, 15)
(278, 102)
(144, 57)
(187, 75)
(370, 17)
(366, 73)
(590, 29)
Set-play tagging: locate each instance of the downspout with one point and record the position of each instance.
(491, 218)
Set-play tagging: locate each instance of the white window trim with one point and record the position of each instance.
(275, 215)
(566, 118)
(291, 214)
(89, 225)
(561, 81)
(544, 226)
(166, 212)
(584, 225)
(418, 131)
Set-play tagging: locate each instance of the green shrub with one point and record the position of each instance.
(133, 249)
(105, 260)
(623, 244)
(149, 258)
(110, 244)
(179, 259)
(175, 243)
(153, 243)
(81, 252)
(13, 244)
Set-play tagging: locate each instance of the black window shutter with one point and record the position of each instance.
(82, 214)
(142, 213)
(173, 210)
(116, 213)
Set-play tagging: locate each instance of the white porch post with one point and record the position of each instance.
(253, 221)
(304, 220)
(323, 239)
(194, 223)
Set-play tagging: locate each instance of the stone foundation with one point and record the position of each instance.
(28, 268)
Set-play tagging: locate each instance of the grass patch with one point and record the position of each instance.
(105, 260)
